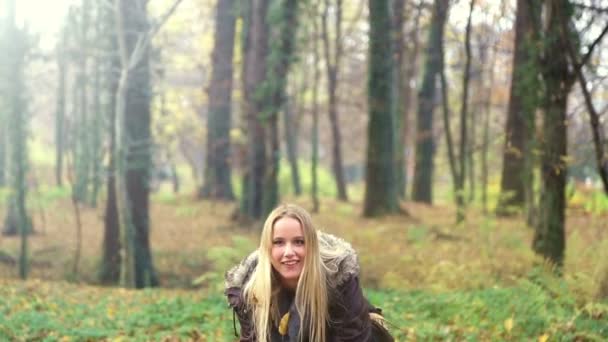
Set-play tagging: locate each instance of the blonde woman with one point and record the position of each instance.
(301, 285)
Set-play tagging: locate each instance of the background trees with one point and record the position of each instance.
(128, 112)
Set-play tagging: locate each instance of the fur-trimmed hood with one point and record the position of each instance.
(342, 266)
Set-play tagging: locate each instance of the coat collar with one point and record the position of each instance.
(342, 264)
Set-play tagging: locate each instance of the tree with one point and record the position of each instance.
(109, 272)
(397, 86)
(425, 145)
(60, 140)
(284, 20)
(515, 165)
(82, 126)
(315, 113)
(17, 219)
(549, 235)
(255, 48)
(380, 182)
(332, 64)
(217, 175)
(134, 139)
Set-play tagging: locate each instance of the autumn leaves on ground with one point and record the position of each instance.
(434, 280)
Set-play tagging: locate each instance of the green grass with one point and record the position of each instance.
(536, 307)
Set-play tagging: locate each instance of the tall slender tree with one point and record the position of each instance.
(82, 153)
(217, 182)
(518, 131)
(380, 183)
(425, 141)
(284, 21)
(398, 81)
(18, 219)
(333, 58)
(60, 111)
(109, 272)
(254, 74)
(315, 111)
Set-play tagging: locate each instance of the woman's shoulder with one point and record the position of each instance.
(340, 259)
(237, 276)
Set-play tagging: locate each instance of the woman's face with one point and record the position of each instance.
(288, 251)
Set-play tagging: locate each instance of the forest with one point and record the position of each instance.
(459, 146)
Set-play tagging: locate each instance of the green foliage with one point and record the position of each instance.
(222, 258)
(536, 308)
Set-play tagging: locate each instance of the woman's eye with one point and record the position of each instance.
(299, 242)
(277, 242)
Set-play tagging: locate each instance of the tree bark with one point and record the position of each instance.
(315, 116)
(17, 219)
(60, 110)
(397, 108)
(410, 71)
(549, 236)
(425, 141)
(333, 67)
(518, 131)
(82, 156)
(254, 74)
(217, 183)
(111, 261)
(279, 62)
(464, 113)
(381, 195)
(132, 182)
(292, 146)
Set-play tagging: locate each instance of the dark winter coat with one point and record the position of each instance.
(348, 309)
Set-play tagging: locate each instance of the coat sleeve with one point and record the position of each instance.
(351, 321)
(236, 302)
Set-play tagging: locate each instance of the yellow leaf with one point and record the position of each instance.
(509, 324)
(543, 338)
(283, 324)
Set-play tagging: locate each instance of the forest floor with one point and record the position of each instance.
(434, 279)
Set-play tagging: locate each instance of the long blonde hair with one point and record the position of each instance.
(311, 299)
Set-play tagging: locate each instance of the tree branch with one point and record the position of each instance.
(590, 48)
(598, 139)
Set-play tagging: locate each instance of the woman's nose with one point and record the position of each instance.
(288, 249)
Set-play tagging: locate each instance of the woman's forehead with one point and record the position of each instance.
(287, 226)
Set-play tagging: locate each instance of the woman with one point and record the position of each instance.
(301, 285)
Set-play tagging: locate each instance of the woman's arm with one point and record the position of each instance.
(236, 302)
(351, 322)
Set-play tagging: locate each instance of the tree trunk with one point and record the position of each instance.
(315, 117)
(133, 110)
(486, 112)
(464, 113)
(17, 135)
(291, 143)
(397, 103)
(254, 74)
(513, 178)
(333, 67)
(425, 141)
(217, 183)
(97, 113)
(60, 110)
(549, 236)
(111, 260)
(82, 157)
(411, 55)
(279, 62)
(381, 195)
